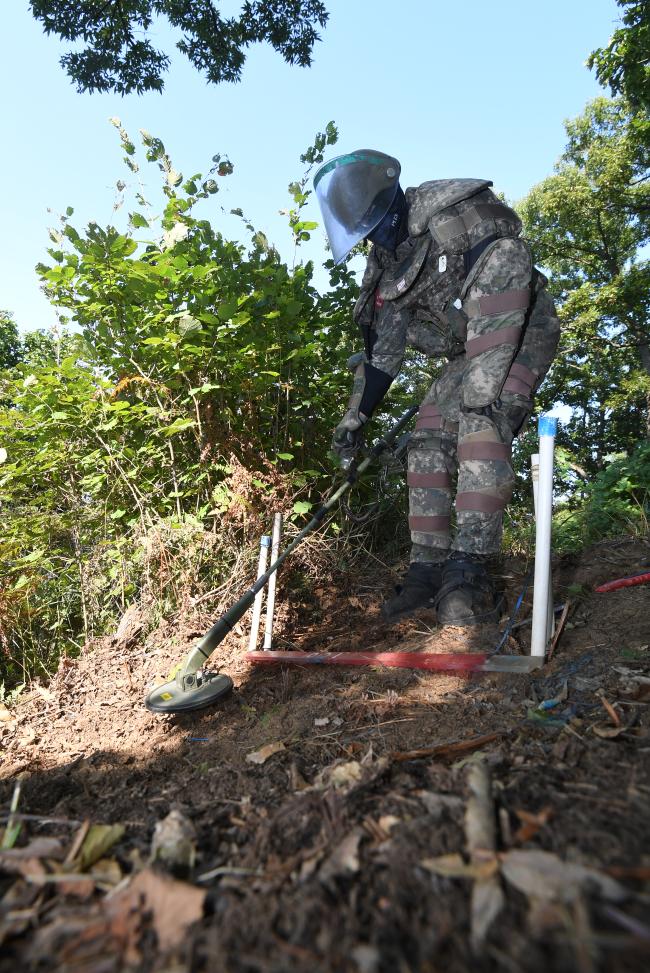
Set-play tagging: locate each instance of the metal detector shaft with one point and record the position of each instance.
(206, 646)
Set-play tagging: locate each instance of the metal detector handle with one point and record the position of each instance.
(214, 636)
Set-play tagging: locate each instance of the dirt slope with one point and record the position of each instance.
(326, 856)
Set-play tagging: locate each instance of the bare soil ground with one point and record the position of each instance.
(332, 849)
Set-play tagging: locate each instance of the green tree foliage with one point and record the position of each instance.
(624, 64)
(587, 224)
(196, 395)
(9, 340)
(119, 55)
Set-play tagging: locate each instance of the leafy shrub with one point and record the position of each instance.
(142, 453)
(617, 501)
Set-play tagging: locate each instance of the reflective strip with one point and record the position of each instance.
(440, 480)
(504, 336)
(482, 503)
(429, 410)
(429, 422)
(429, 525)
(505, 301)
(483, 450)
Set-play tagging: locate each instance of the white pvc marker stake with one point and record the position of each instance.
(270, 596)
(265, 543)
(547, 430)
(550, 620)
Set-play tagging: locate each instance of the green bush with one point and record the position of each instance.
(616, 501)
(140, 456)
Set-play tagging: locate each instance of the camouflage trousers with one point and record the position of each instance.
(461, 462)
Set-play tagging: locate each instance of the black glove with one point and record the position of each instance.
(347, 442)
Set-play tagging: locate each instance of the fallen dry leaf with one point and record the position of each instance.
(5, 715)
(542, 875)
(18, 907)
(345, 774)
(387, 822)
(608, 732)
(46, 693)
(106, 872)
(173, 842)
(632, 683)
(29, 868)
(37, 848)
(173, 905)
(77, 887)
(455, 866)
(486, 903)
(531, 823)
(344, 860)
(296, 781)
(436, 804)
(261, 756)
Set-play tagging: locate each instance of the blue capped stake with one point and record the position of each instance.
(542, 625)
(547, 426)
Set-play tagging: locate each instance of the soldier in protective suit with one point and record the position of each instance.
(448, 275)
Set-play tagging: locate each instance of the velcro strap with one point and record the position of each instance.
(429, 422)
(484, 450)
(522, 373)
(516, 385)
(440, 480)
(444, 232)
(520, 379)
(483, 503)
(496, 211)
(472, 216)
(515, 300)
(429, 525)
(503, 336)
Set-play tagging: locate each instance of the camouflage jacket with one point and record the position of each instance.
(459, 285)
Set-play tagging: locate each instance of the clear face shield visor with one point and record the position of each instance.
(354, 192)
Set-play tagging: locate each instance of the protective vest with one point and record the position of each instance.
(451, 224)
(454, 226)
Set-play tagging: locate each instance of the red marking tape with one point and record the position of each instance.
(629, 582)
(463, 661)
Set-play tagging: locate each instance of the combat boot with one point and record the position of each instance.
(467, 595)
(418, 590)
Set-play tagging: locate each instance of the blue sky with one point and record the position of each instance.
(471, 89)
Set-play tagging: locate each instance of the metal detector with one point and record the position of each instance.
(193, 687)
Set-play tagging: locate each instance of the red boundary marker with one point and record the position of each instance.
(450, 661)
(634, 579)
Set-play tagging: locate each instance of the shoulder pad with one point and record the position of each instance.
(434, 196)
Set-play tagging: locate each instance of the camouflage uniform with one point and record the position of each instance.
(461, 286)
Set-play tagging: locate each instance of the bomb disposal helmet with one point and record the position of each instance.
(354, 192)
